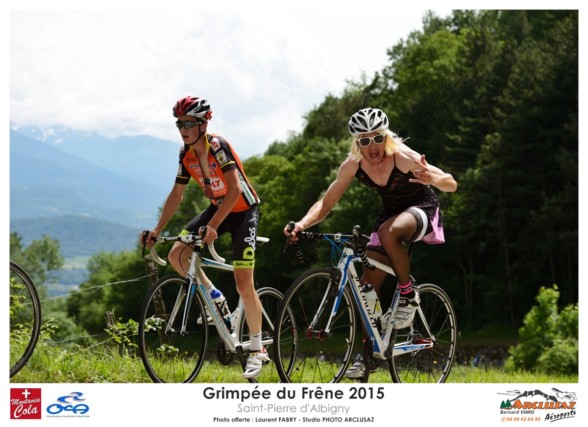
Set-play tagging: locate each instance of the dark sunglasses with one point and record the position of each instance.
(365, 141)
(188, 124)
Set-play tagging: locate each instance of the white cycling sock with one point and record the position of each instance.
(256, 342)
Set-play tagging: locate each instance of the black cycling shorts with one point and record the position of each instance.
(243, 229)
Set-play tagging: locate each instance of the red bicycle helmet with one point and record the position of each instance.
(192, 106)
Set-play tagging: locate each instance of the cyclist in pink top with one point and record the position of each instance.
(410, 210)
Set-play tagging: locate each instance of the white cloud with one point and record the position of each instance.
(116, 72)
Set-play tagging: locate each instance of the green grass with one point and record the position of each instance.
(466, 374)
(104, 364)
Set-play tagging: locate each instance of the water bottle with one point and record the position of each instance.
(373, 302)
(221, 302)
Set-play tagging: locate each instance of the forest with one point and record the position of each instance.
(488, 96)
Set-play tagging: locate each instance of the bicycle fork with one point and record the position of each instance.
(331, 291)
(181, 300)
(184, 297)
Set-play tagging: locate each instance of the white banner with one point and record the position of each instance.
(296, 405)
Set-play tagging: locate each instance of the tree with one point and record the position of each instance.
(489, 96)
(116, 282)
(39, 259)
(548, 337)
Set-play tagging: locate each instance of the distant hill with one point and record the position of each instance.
(46, 181)
(145, 159)
(89, 192)
(78, 236)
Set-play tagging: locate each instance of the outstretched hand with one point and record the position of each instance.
(422, 174)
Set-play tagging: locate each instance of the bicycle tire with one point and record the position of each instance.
(25, 318)
(432, 364)
(271, 300)
(304, 356)
(172, 357)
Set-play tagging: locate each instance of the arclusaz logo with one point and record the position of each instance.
(537, 405)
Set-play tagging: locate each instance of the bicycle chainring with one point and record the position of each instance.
(224, 356)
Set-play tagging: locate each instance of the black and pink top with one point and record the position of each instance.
(399, 195)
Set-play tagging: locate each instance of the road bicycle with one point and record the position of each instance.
(324, 303)
(25, 318)
(176, 312)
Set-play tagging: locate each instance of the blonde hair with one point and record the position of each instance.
(392, 144)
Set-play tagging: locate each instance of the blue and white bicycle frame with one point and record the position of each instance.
(380, 344)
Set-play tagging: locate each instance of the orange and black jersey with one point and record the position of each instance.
(221, 159)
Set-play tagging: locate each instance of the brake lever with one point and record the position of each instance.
(145, 233)
(289, 241)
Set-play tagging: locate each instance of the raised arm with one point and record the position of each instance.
(424, 172)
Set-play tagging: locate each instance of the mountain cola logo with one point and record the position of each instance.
(25, 403)
(536, 405)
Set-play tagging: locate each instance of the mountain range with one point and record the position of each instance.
(75, 186)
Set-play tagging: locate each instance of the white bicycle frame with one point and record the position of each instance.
(346, 267)
(196, 279)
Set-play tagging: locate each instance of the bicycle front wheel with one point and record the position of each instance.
(173, 331)
(25, 318)
(305, 352)
(271, 300)
(424, 352)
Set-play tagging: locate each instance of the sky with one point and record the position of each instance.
(119, 73)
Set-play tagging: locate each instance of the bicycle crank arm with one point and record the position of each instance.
(403, 348)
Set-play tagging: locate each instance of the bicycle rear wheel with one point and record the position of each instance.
(304, 352)
(25, 318)
(170, 355)
(271, 300)
(435, 328)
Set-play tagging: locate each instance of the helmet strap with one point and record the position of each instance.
(200, 134)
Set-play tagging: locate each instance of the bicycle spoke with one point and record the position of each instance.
(306, 351)
(170, 355)
(436, 331)
(271, 300)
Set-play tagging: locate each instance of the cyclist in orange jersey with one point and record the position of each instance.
(212, 162)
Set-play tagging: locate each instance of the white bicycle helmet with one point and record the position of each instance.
(367, 120)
